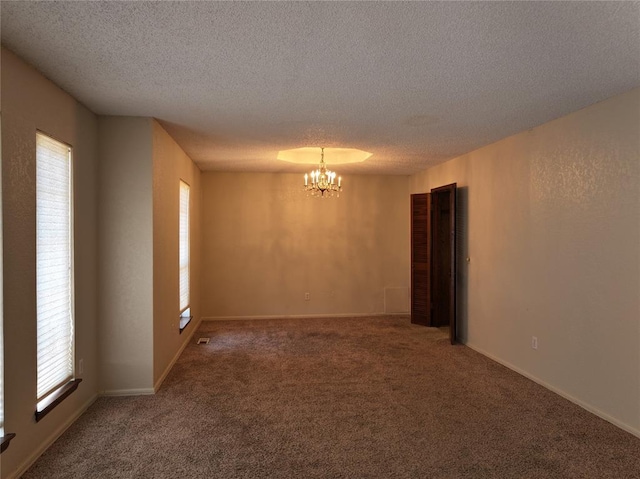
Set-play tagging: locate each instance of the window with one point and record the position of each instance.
(4, 440)
(54, 273)
(185, 310)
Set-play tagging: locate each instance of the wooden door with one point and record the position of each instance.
(443, 258)
(420, 263)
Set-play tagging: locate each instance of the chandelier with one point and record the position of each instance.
(322, 180)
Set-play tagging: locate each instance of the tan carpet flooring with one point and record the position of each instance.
(339, 398)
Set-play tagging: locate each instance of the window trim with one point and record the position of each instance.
(5, 440)
(185, 319)
(52, 400)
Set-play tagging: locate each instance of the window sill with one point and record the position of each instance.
(48, 404)
(184, 321)
(5, 440)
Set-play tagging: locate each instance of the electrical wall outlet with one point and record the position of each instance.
(534, 342)
(307, 296)
(81, 366)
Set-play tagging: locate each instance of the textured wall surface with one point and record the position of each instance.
(125, 254)
(553, 235)
(29, 103)
(170, 165)
(265, 244)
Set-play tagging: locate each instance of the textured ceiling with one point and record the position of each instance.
(414, 83)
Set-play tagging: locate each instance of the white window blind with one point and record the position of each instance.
(184, 246)
(54, 265)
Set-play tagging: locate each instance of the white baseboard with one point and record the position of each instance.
(161, 379)
(300, 316)
(22, 468)
(127, 392)
(158, 383)
(559, 392)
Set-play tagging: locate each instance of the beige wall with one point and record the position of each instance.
(266, 244)
(125, 255)
(31, 102)
(553, 235)
(140, 170)
(170, 165)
